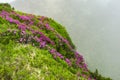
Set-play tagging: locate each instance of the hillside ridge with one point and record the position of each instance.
(38, 48)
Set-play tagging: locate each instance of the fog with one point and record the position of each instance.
(4, 1)
(94, 26)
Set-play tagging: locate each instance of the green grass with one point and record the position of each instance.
(25, 62)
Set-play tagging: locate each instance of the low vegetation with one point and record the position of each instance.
(38, 48)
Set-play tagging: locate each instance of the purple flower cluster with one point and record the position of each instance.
(60, 55)
(64, 40)
(42, 44)
(56, 54)
(48, 27)
(78, 57)
(4, 14)
(11, 20)
(22, 27)
(25, 18)
(52, 51)
(31, 23)
(42, 18)
(68, 61)
(80, 61)
(42, 39)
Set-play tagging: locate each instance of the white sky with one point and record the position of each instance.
(6, 1)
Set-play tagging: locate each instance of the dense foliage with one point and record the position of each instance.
(37, 48)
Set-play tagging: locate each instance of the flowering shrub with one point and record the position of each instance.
(39, 38)
(45, 34)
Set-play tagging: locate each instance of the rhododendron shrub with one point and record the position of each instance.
(44, 34)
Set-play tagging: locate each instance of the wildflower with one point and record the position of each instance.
(52, 51)
(23, 32)
(21, 39)
(9, 19)
(64, 40)
(55, 56)
(89, 79)
(14, 32)
(22, 27)
(42, 44)
(68, 61)
(42, 18)
(84, 66)
(39, 39)
(59, 55)
(16, 22)
(24, 17)
(4, 13)
(47, 26)
(31, 23)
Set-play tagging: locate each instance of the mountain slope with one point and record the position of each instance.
(37, 48)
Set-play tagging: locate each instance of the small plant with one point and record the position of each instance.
(98, 76)
(6, 7)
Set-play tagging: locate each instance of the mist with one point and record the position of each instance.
(6, 1)
(94, 26)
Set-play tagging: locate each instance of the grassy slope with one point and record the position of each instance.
(25, 61)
